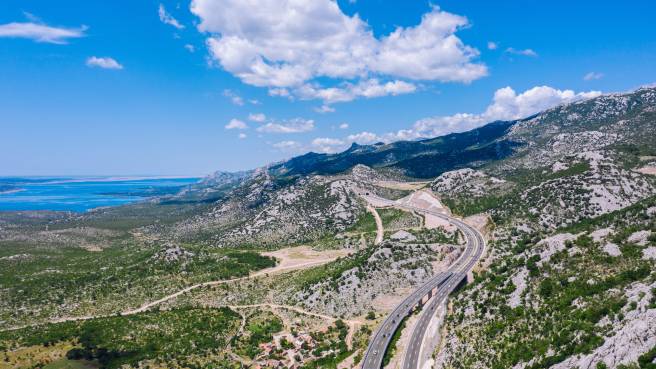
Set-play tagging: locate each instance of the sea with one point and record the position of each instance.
(80, 194)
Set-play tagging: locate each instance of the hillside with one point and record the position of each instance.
(415, 159)
(568, 281)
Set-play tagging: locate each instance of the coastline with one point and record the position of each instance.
(118, 179)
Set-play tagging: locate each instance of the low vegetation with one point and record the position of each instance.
(190, 337)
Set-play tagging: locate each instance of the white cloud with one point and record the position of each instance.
(242, 136)
(364, 138)
(524, 52)
(429, 51)
(286, 45)
(593, 76)
(491, 45)
(281, 92)
(40, 32)
(327, 145)
(343, 126)
(296, 125)
(323, 109)
(332, 145)
(238, 100)
(287, 146)
(103, 62)
(506, 105)
(348, 92)
(191, 48)
(166, 18)
(257, 117)
(236, 124)
(234, 98)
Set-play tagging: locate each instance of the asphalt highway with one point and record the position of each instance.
(439, 286)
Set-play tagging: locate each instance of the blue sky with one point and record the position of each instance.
(186, 88)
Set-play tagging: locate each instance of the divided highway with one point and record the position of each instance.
(440, 286)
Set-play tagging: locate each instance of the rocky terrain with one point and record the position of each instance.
(376, 279)
(467, 183)
(572, 281)
(569, 281)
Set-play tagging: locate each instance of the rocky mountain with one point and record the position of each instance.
(568, 281)
(571, 281)
(416, 159)
(555, 168)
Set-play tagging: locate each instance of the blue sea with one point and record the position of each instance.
(81, 194)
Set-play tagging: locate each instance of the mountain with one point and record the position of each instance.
(417, 159)
(567, 198)
(607, 135)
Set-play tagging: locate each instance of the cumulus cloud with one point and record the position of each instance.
(238, 100)
(348, 92)
(236, 124)
(491, 45)
(506, 105)
(280, 92)
(40, 32)
(287, 146)
(103, 62)
(524, 52)
(234, 98)
(323, 109)
(296, 125)
(363, 138)
(166, 18)
(286, 45)
(242, 136)
(593, 76)
(343, 126)
(191, 48)
(257, 117)
(327, 145)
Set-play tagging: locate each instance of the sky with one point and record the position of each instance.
(190, 87)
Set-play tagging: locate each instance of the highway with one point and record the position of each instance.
(440, 286)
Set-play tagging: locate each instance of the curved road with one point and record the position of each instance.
(440, 286)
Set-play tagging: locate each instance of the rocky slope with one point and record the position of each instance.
(572, 281)
(571, 274)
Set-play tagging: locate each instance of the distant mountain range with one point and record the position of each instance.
(493, 142)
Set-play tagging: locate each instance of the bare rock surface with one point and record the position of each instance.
(612, 249)
(519, 281)
(466, 182)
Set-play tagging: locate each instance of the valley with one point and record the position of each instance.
(521, 244)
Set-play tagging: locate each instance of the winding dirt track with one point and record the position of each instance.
(380, 232)
(282, 268)
(262, 272)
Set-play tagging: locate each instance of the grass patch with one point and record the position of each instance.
(365, 223)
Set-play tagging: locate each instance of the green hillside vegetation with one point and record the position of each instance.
(186, 336)
(44, 281)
